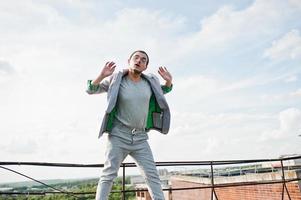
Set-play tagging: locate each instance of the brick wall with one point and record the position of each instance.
(259, 192)
(189, 194)
(256, 192)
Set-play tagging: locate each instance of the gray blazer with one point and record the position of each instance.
(112, 85)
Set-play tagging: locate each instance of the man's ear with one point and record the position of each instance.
(129, 61)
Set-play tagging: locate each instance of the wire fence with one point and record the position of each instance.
(211, 175)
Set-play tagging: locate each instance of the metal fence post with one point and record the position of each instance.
(284, 182)
(212, 183)
(123, 181)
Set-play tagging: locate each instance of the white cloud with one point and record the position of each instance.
(69, 43)
(25, 17)
(287, 47)
(208, 85)
(211, 136)
(195, 122)
(289, 125)
(297, 93)
(295, 3)
(140, 22)
(214, 94)
(21, 145)
(290, 120)
(292, 78)
(239, 30)
(6, 68)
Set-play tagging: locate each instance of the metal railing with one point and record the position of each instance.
(213, 186)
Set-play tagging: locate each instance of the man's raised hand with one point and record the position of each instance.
(108, 69)
(164, 73)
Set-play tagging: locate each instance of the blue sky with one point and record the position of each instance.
(236, 69)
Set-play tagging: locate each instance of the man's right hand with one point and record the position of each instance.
(107, 70)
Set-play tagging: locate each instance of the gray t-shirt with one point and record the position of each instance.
(133, 103)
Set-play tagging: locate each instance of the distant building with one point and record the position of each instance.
(136, 180)
(6, 189)
(139, 183)
(231, 174)
(245, 174)
(144, 195)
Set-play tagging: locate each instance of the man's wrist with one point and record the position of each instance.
(98, 79)
(168, 84)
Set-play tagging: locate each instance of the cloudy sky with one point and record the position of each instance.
(236, 66)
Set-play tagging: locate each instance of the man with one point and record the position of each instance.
(136, 104)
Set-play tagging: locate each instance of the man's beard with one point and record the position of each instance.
(136, 71)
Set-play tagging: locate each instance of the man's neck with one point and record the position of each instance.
(134, 76)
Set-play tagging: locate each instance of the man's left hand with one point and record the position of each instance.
(164, 73)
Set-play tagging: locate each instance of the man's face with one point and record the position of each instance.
(137, 62)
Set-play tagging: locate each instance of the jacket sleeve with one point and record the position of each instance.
(96, 89)
(166, 89)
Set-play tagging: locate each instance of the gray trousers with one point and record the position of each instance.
(116, 152)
